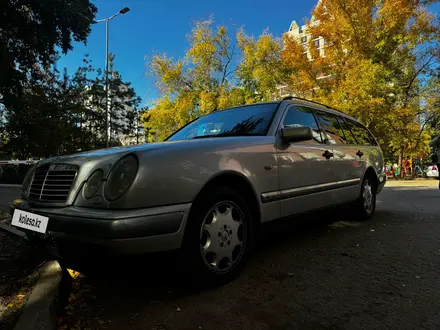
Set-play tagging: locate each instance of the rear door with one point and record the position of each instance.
(367, 148)
(304, 172)
(348, 167)
(358, 160)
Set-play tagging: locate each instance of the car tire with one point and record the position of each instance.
(366, 203)
(218, 236)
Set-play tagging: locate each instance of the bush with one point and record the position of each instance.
(13, 174)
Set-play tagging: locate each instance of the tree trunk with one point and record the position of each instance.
(401, 162)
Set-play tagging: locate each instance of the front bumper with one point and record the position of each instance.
(119, 232)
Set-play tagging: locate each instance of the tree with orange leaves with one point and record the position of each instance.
(378, 56)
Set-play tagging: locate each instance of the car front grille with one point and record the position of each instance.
(52, 183)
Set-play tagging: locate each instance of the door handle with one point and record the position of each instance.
(360, 153)
(327, 154)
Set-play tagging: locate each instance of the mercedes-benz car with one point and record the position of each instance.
(207, 188)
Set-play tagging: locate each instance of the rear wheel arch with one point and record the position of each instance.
(371, 172)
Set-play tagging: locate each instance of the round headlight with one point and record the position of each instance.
(121, 177)
(92, 184)
(26, 185)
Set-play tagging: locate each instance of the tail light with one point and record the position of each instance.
(434, 168)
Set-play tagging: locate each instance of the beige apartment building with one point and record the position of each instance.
(302, 34)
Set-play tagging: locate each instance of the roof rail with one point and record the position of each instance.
(302, 99)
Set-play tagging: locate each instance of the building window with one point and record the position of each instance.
(304, 40)
(316, 43)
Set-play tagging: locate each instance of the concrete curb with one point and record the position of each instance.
(412, 183)
(40, 310)
(12, 230)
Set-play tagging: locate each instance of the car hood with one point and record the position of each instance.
(82, 157)
(112, 154)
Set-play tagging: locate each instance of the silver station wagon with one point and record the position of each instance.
(207, 188)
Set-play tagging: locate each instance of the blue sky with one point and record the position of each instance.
(162, 26)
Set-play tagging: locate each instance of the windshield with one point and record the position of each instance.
(241, 121)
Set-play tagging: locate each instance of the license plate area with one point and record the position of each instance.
(30, 221)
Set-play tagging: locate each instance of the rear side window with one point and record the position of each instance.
(334, 132)
(303, 117)
(362, 135)
(347, 132)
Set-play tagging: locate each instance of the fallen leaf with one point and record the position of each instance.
(73, 273)
(178, 309)
(342, 224)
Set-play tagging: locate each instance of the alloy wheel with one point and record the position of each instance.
(223, 236)
(368, 196)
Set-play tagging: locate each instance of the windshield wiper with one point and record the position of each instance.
(227, 134)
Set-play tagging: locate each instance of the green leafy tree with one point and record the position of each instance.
(44, 121)
(62, 114)
(30, 32)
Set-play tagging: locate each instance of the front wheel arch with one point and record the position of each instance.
(237, 181)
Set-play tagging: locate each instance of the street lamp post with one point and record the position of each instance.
(107, 119)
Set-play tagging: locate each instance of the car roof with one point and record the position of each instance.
(249, 105)
(299, 101)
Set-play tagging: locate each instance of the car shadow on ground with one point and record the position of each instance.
(125, 285)
(160, 271)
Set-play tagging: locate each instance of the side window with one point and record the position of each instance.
(334, 132)
(362, 135)
(303, 117)
(347, 132)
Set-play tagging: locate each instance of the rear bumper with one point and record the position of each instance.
(117, 232)
(382, 178)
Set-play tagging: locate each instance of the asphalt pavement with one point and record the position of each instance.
(7, 194)
(320, 271)
(326, 271)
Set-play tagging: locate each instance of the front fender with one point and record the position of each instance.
(168, 177)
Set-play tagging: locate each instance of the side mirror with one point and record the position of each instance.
(296, 134)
